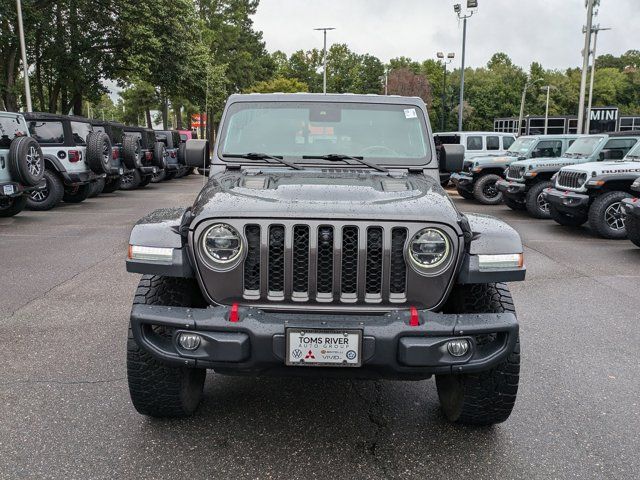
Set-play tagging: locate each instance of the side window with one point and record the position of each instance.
(548, 148)
(80, 132)
(47, 132)
(618, 147)
(474, 143)
(493, 143)
(10, 128)
(570, 142)
(507, 142)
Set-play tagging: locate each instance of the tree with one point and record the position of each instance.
(405, 82)
(279, 84)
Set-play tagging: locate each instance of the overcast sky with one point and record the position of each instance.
(547, 31)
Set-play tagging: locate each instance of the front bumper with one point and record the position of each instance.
(631, 207)
(511, 188)
(462, 180)
(391, 347)
(566, 201)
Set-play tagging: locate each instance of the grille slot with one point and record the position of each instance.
(374, 261)
(252, 262)
(570, 179)
(516, 172)
(301, 259)
(324, 277)
(276, 260)
(398, 274)
(349, 271)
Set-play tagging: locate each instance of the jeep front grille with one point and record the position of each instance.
(325, 263)
(515, 172)
(569, 179)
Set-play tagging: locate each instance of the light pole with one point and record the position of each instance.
(546, 110)
(324, 57)
(585, 60)
(527, 84)
(23, 51)
(595, 30)
(384, 78)
(471, 4)
(450, 57)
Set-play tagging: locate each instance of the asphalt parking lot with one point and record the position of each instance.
(65, 410)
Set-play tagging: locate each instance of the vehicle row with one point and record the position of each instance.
(47, 158)
(572, 179)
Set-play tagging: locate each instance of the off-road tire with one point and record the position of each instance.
(513, 204)
(12, 206)
(465, 193)
(49, 197)
(77, 194)
(99, 152)
(159, 176)
(131, 180)
(26, 161)
(97, 188)
(112, 185)
(484, 185)
(131, 152)
(487, 397)
(146, 180)
(160, 155)
(567, 220)
(182, 153)
(158, 389)
(605, 212)
(535, 202)
(633, 229)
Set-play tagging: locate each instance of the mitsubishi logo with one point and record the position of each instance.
(310, 355)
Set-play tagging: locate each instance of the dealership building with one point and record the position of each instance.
(603, 119)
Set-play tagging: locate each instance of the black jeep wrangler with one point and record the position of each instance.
(171, 140)
(115, 132)
(143, 155)
(323, 244)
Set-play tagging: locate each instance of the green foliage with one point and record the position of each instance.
(279, 84)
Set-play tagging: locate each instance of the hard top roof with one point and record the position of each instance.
(95, 121)
(474, 132)
(55, 116)
(330, 97)
(138, 129)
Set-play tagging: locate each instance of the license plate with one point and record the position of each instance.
(121, 171)
(7, 189)
(328, 348)
(155, 170)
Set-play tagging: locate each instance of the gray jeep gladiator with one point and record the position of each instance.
(323, 244)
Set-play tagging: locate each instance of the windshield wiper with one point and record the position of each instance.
(336, 157)
(262, 156)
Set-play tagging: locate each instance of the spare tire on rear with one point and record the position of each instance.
(26, 161)
(132, 152)
(160, 155)
(99, 152)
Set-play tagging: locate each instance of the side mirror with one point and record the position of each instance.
(197, 153)
(611, 154)
(450, 158)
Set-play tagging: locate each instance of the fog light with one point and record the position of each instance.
(458, 348)
(189, 341)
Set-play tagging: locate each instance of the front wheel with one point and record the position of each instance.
(487, 397)
(10, 206)
(633, 229)
(606, 216)
(537, 205)
(158, 389)
(485, 190)
(464, 193)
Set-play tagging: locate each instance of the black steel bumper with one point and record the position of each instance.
(15, 189)
(462, 180)
(391, 347)
(631, 206)
(148, 170)
(78, 178)
(566, 201)
(511, 188)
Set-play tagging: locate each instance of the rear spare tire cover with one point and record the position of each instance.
(99, 152)
(26, 161)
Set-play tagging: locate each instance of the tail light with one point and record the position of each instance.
(74, 156)
(115, 153)
(173, 154)
(148, 155)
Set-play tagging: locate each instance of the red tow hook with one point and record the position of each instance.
(414, 320)
(234, 316)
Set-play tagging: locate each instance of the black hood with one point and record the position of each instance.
(325, 193)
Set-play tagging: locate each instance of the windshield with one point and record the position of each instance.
(80, 132)
(10, 128)
(386, 134)
(583, 146)
(521, 146)
(634, 153)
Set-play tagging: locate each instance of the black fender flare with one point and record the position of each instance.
(54, 163)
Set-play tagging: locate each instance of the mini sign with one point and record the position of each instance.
(607, 114)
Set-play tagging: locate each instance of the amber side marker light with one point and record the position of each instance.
(150, 254)
(500, 262)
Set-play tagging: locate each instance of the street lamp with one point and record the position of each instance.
(527, 84)
(384, 78)
(23, 51)
(457, 8)
(546, 109)
(324, 57)
(450, 57)
(595, 31)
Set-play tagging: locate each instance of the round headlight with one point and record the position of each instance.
(429, 248)
(222, 243)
